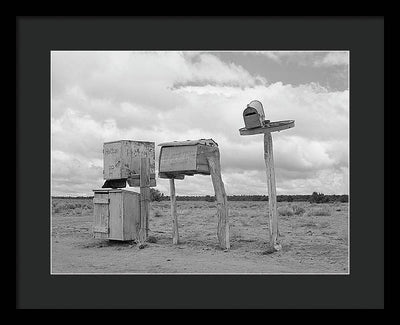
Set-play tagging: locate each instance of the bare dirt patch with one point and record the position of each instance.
(312, 242)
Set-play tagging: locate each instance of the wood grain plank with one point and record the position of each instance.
(175, 159)
(144, 198)
(268, 128)
(131, 215)
(116, 222)
(101, 216)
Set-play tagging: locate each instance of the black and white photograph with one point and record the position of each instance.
(200, 162)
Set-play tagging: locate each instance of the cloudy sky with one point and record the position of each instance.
(101, 96)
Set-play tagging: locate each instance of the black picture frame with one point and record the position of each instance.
(362, 288)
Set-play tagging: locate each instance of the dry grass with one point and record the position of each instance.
(314, 238)
(75, 206)
(291, 210)
(320, 211)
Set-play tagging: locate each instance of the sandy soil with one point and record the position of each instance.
(311, 243)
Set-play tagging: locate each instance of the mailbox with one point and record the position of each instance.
(254, 115)
(179, 158)
(116, 214)
(122, 162)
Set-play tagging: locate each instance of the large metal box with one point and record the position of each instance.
(122, 158)
(116, 214)
(184, 157)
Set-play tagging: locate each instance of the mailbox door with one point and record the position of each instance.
(252, 121)
(131, 214)
(116, 216)
(180, 158)
(101, 215)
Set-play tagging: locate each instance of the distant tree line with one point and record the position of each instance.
(315, 197)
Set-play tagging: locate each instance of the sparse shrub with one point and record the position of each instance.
(209, 198)
(318, 198)
(156, 195)
(151, 239)
(285, 211)
(324, 224)
(309, 224)
(324, 211)
(297, 210)
(70, 206)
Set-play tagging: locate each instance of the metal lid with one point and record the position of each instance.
(207, 142)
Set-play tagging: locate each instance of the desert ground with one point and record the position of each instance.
(314, 239)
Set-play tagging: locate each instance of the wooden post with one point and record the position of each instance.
(144, 199)
(213, 159)
(273, 214)
(175, 233)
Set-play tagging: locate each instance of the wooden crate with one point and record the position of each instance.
(180, 158)
(116, 214)
(122, 158)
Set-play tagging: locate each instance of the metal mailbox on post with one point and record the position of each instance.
(254, 115)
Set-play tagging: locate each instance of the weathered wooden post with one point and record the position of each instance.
(213, 159)
(144, 199)
(187, 158)
(175, 232)
(255, 123)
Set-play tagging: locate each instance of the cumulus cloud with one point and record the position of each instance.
(165, 96)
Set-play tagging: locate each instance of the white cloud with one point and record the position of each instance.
(165, 96)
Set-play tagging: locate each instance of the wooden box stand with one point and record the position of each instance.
(188, 158)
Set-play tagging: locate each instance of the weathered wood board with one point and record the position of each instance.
(144, 199)
(268, 127)
(122, 158)
(184, 158)
(101, 215)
